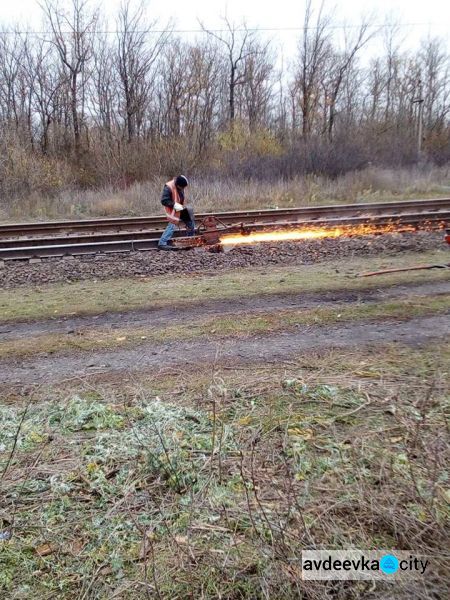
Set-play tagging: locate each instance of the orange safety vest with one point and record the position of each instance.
(172, 215)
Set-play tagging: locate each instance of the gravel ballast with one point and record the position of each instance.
(134, 264)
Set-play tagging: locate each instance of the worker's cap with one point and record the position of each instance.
(181, 181)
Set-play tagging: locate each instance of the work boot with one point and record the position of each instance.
(167, 248)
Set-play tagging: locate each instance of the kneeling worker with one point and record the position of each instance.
(173, 201)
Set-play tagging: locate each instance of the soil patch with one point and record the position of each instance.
(186, 355)
(246, 305)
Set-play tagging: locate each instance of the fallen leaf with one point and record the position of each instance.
(366, 373)
(306, 434)
(45, 549)
(76, 547)
(181, 539)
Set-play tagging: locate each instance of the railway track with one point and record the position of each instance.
(59, 238)
(157, 222)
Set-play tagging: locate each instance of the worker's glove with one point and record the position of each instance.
(177, 206)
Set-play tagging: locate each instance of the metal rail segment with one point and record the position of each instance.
(248, 216)
(35, 240)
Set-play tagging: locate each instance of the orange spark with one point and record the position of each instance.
(310, 234)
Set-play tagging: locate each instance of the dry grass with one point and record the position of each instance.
(209, 484)
(208, 194)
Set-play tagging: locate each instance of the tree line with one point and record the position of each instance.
(86, 106)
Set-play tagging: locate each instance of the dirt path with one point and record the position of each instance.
(278, 347)
(162, 316)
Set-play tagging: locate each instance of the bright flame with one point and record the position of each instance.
(310, 234)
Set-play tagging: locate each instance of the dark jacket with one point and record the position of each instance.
(166, 198)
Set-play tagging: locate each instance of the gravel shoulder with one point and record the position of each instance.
(189, 355)
(14, 274)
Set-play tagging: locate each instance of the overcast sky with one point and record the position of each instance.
(419, 18)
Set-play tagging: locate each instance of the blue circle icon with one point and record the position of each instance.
(389, 564)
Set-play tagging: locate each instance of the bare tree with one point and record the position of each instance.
(136, 56)
(314, 51)
(13, 48)
(45, 81)
(341, 65)
(105, 83)
(392, 65)
(435, 68)
(73, 35)
(190, 91)
(257, 89)
(237, 43)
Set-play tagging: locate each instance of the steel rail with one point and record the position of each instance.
(149, 223)
(121, 236)
(149, 240)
